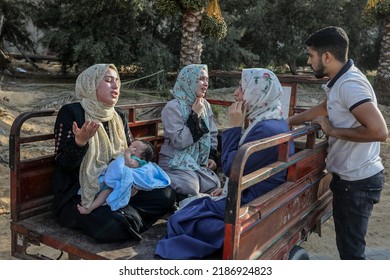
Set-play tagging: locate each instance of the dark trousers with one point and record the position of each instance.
(352, 206)
(104, 225)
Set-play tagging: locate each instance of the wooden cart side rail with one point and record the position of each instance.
(26, 197)
(15, 139)
(284, 236)
(285, 161)
(238, 182)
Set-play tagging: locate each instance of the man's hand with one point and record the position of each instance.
(324, 123)
(86, 132)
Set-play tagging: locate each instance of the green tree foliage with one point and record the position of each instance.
(227, 54)
(13, 20)
(84, 32)
(275, 30)
(260, 32)
(364, 40)
(210, 25)
(376, 11)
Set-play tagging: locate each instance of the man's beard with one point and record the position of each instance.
(320, 73)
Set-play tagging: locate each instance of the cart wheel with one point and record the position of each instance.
(298, 253)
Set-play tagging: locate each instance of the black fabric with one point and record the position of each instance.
(197, 126)
(102, 224)
(359, 103)
(213, 155)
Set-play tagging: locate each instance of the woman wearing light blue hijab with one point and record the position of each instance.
(188, 154)
(197, 230)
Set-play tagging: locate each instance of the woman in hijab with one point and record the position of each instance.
(89, 134)
(197, 230)
(189, 152)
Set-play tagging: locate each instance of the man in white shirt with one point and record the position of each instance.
(350, 117)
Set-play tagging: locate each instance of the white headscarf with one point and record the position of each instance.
(102, 147)
(262, 91)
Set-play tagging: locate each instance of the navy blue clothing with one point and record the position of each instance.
(352, 206)
(197, 230)
(263, 129)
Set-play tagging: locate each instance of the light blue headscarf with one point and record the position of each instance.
(196, 155)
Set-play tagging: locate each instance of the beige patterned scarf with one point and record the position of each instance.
(102, 147)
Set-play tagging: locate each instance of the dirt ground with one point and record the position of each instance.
(19, 95)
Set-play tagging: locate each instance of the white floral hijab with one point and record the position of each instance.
(262, 92)
(102, 147)
(195, 156)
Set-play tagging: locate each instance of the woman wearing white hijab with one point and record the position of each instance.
(197, 230)
(89, 134)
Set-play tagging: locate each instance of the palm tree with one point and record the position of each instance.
(196, 24)
(380, 10)
(192, 38)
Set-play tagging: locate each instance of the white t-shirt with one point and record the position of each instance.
(350, 160)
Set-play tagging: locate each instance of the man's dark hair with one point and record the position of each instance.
(330, 39)
(148, 154)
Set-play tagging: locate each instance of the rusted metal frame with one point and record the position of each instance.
(131, 115)
(36, 138)
(279, 249)
(27, 209)
(261, 174)
(267, 206)
(38, 238)
(144, 122)
(232, 231)
(15, 141)
(300, 79)
(132, 108)
(19, 246)
(293, 96)
(296, 227)
(283, 78)
(141, 105)
(19, 209)
(265, 203)
(283, 139)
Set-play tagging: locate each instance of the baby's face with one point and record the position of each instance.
(137, 149)
(132, 163)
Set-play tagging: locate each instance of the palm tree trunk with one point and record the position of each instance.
(192, 39)
(382, 82)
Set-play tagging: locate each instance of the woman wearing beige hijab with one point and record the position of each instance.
(89, 134)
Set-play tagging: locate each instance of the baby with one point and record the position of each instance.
(136, 155)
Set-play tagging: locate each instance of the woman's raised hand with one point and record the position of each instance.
(237, 113)
(86, 132)
(198, 106)
(211, 164)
